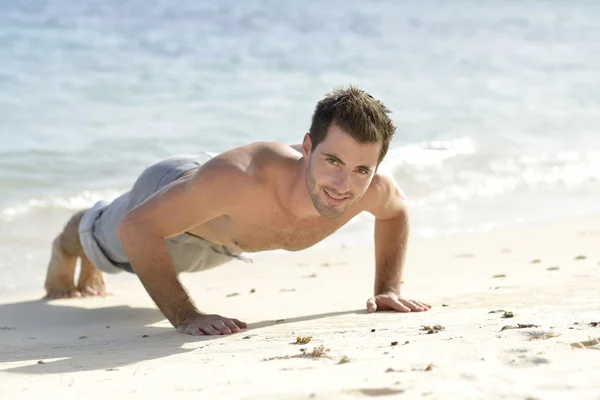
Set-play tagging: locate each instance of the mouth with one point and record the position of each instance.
(335, 199)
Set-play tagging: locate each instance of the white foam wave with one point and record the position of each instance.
(74, 202)
(427, 154)
(454, 170)
(432, 173)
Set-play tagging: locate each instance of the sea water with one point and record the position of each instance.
(497, 103)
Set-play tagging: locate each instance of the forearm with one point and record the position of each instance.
(391, 239)
(153, 264)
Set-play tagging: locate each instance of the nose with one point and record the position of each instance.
(341, 183)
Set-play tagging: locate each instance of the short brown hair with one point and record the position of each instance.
(355, 111)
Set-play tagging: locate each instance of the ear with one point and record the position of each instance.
(306, 145)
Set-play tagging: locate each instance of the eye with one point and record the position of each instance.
(332, 161)
(363, 171)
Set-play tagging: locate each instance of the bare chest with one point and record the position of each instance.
(278, 235)
(261, 231)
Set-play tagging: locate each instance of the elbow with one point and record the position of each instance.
(130, 229)
(124, 228)
(121, 229)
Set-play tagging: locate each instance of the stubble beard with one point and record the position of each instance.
(322, 207)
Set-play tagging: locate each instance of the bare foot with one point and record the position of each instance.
(66, 249)
(62, 294)
(59, 277)
(91, 282)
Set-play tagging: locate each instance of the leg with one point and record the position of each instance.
(66, 249)
(61, 269)
(91, 282)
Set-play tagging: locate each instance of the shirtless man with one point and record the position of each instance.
(190, 213)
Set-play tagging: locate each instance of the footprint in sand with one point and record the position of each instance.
(524, 358)
(376, 391)
(541, 335)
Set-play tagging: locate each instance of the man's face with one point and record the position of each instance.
(339, 171)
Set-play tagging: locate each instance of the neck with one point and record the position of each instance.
(299, 201)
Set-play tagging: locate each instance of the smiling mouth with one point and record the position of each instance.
(335, 197)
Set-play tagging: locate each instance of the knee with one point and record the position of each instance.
(68, 240)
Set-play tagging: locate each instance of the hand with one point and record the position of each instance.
(391, 301)
(210, 325)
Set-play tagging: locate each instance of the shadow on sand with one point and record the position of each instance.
(71, 338)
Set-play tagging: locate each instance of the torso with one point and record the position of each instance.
(263, 223)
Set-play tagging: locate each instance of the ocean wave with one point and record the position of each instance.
(427, 154)
(456, 171)
(447, 172)
(73, 202)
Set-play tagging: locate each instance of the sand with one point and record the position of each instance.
(120, 346)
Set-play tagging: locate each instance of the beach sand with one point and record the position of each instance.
(120, 346)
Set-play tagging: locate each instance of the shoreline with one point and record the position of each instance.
(337, 243)
(508, 306)
(29, 247)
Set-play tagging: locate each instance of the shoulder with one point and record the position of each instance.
(264, 159)
(247, 166)
(385, 198)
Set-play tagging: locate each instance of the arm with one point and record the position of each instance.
(179, 207)
(391, 236)
(391, 240)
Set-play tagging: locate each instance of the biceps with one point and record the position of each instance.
(173, 210)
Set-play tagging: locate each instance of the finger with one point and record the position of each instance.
(411, 304)
(194, 331)
(209, 330)
(371, 305)
(190, 330)
(231, 325)
(220, 325)
(239, 323)
(425, 306)
(396, 305)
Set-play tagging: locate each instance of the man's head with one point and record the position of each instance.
(349, 136)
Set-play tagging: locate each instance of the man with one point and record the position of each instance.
(191, 213)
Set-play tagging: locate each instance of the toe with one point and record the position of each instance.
(62, 294)
(93, 291)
